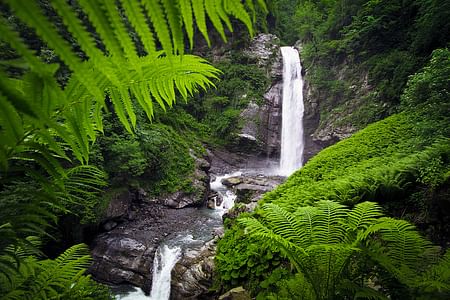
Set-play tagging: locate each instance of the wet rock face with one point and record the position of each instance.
(249, 189)
(135, 225)
(264, 48)
(125, 254)
(120, 258)
(261, 119)
(192, 276)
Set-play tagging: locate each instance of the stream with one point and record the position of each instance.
(202, 229)
(177, 244)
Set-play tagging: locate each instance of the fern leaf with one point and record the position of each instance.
(223, 15)
(158, 19)
(363, 215)
(98, 18)
(31, 14)
(125, 95)
(211, 10)
(16, 42)
(73, 23)
(306, 217)
(143, 99)
(199, 13)
(118, 27)
(175, 23)
(188, 21)
(328, 225)
(137, 19)
(11, 123)
(119, 108)
(282, 222)
(251, 6)
(237, 9)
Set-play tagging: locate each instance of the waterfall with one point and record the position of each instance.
(292, 144)
(165, 260)
(227, 195)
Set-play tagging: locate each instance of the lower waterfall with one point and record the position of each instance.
(292, 141)
(165, 260)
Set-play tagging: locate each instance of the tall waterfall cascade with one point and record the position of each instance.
(292, 140)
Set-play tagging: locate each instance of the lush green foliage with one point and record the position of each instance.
(339, 251)
(123, 53)
(399, 162)
(61, 278)
(359, 54)
(156, 158)
(251, 261)
(219, 109)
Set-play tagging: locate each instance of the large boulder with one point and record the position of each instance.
(192, 276)
(118, 258)
(249, 189)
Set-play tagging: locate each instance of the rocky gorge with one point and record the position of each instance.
(136, 224)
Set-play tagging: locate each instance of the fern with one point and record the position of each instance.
(327, 241)
(47, 279)
(47, 125)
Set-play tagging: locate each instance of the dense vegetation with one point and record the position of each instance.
(80, 80)
(365, 60)
(64, 66)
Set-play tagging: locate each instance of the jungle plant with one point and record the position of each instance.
(345, 252)
(123, 53)
(60, 278)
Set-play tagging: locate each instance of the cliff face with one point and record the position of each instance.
(261, 120)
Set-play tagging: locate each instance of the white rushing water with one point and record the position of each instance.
(165, 260)
(227, 196)
(292, 142)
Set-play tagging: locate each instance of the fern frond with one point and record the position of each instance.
(96, 14)
(121, 33)
(213, 15)
(32, 15)
(158, 19)
(306, 217)
(282, 222)
(291, 250)
(223, 15)
(363, 215)
(402, 244)
(175, 24)
(75, 27)
(329, 227)
(188, 21)
(237, 9)
(116, 99)
(137, 19)
(200, 19)
(10, 124)
(16, 42)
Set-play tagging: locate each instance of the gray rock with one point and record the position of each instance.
(238, 293)
(261, 122)
(119, 205)
(121, 259)
(192, 276)
(232, 181)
